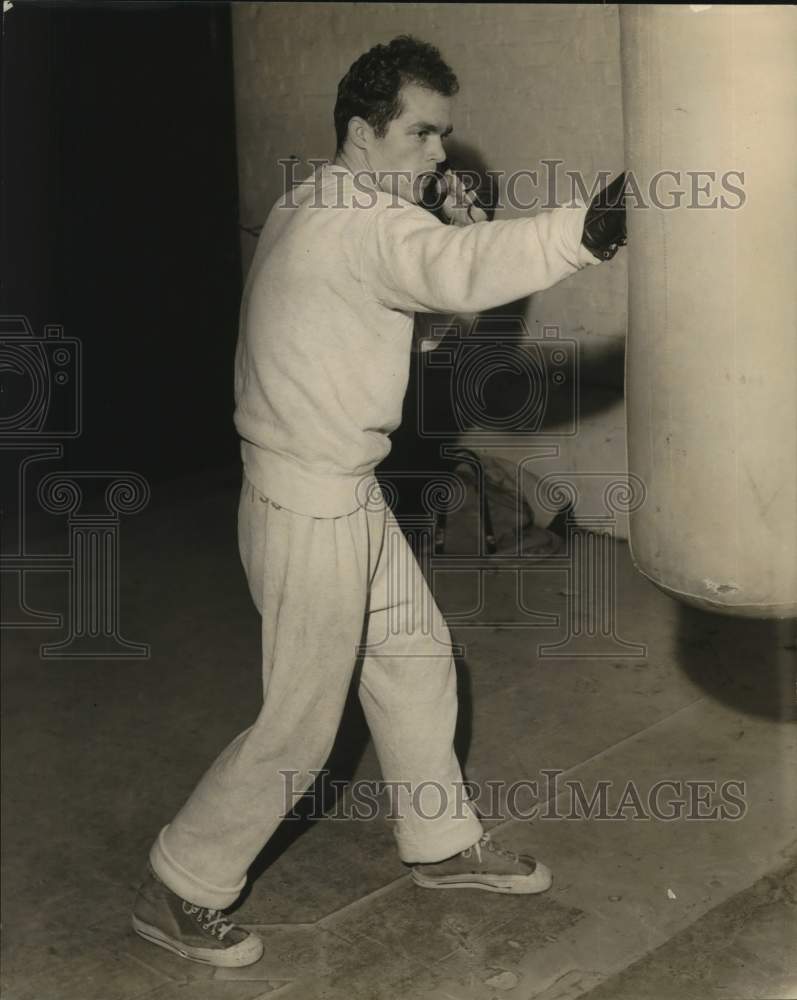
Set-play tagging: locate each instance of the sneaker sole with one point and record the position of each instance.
(228, 958)
(520, 887)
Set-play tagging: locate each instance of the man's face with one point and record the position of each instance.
(413, 142)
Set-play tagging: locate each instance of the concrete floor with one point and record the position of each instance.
(99, 754)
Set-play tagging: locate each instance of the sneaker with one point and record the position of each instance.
(485, 865)
(194, 932)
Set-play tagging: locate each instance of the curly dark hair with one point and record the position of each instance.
(371, 88)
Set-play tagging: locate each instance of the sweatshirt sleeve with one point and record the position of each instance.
(411, 261)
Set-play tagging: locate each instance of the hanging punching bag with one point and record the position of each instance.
(710, 97)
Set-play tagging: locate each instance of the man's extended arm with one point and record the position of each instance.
(411, 262)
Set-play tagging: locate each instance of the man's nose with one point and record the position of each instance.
(438, 150)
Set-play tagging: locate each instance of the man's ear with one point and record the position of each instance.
(360, 132)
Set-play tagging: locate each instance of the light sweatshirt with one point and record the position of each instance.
(326, 324)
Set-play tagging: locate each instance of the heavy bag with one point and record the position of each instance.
(710, 106)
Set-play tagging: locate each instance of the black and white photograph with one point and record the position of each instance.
(398, 501)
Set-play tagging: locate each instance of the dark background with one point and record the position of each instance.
(119, 223)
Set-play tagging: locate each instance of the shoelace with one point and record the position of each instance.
(488, 844)
(213, 922)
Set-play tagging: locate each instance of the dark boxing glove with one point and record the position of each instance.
(604, 225)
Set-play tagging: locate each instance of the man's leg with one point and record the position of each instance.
(308, 577)
(408, 691)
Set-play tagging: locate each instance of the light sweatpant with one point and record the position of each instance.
(330, 591)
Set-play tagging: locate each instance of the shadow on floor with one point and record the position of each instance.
(747, 664)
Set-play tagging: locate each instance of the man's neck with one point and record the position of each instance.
(356, 162)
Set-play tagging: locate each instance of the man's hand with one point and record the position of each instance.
(460, 206)
(604, 225)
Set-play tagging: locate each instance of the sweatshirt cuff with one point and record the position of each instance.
(572, 231)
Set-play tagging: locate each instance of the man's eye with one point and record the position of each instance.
(422, 135)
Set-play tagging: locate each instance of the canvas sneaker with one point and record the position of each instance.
(193, 932)
(487, 866)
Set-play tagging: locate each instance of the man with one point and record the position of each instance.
(341, 266)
